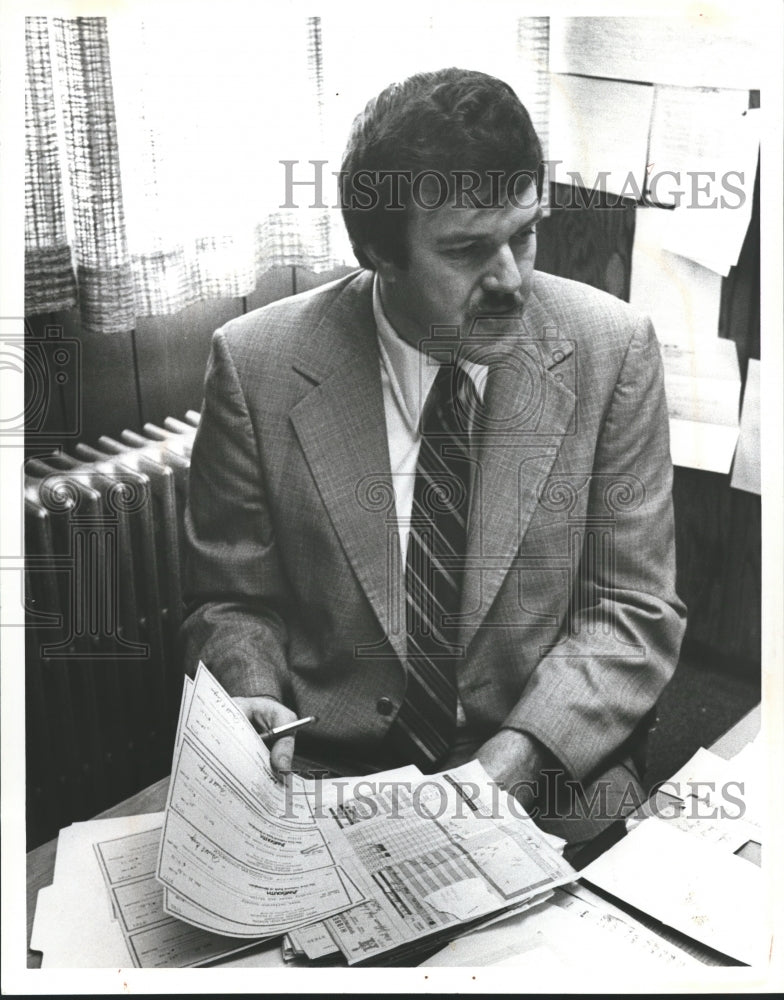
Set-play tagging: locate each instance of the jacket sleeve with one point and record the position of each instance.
(620, 643)
(233, 585)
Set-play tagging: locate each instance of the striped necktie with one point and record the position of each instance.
(425, 726)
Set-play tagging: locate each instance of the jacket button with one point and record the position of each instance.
(384, 706)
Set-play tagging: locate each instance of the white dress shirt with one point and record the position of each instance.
(407, 376)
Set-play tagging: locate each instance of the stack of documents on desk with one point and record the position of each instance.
(382, 864)
(105, 907)
(359, 869)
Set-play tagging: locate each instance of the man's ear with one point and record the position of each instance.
(385, 268)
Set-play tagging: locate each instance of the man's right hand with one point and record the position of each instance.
(266, 713)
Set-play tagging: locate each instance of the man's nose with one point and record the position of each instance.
(503, 276)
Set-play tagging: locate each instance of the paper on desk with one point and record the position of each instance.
(239, 847)
(599, 129)
(563, 937)
(731, 787)
(447, 848)
(154, 938)
(715, 801)
(694, 886)
(746, 468)
(90, 938)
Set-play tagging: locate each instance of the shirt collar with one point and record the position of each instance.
(410, 376)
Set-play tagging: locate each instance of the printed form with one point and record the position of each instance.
(431, 855)
(381, 862)
(240, 853)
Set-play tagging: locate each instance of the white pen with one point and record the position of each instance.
(273, 734)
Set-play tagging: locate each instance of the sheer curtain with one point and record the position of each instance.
(154, 147)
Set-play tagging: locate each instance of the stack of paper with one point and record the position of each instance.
(359, 868)
(694, 886)
(104, 908)
(571, 933)
(681, 867)
(382, 863)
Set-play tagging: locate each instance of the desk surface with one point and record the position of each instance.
(40, 861)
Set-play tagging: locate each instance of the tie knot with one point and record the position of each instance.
(452, 400)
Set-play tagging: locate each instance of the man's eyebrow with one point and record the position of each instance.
(469, 236)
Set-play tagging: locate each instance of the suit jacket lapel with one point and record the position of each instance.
(530, 409)
(341, 427)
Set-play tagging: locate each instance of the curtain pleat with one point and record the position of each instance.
(103, 264)
(50, 283)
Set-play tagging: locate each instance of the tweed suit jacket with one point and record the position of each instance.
(570, 625)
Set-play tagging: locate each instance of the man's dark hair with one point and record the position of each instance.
(444, 123)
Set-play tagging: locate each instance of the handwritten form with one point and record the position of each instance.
(240, 853)
(366, 867)
(430, 856)
(573, 931)
(381, 863)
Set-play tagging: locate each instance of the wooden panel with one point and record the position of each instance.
(718, 534)
(590, 244)
(98, 395)
(274, 284)
(305, 279)
(172, 354)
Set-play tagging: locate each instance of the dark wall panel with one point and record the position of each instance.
(718, 532)
(97, 394)
(305, 279)
(276, 284)
(588, 237)
(172, 353)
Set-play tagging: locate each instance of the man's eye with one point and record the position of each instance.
(466, 252)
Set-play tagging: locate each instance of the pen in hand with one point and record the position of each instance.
(273, 734)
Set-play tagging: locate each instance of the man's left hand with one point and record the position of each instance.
(514, 760)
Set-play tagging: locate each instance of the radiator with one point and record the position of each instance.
(103, 537)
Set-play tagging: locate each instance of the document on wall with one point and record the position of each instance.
(746, 473)
(599, 130)
(697, 50)
(703, 154)
(681, 297)
(702, 383)
(240, 852)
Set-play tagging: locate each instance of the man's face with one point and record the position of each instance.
(463, 263)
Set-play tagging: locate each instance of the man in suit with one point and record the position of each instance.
(540, 637)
